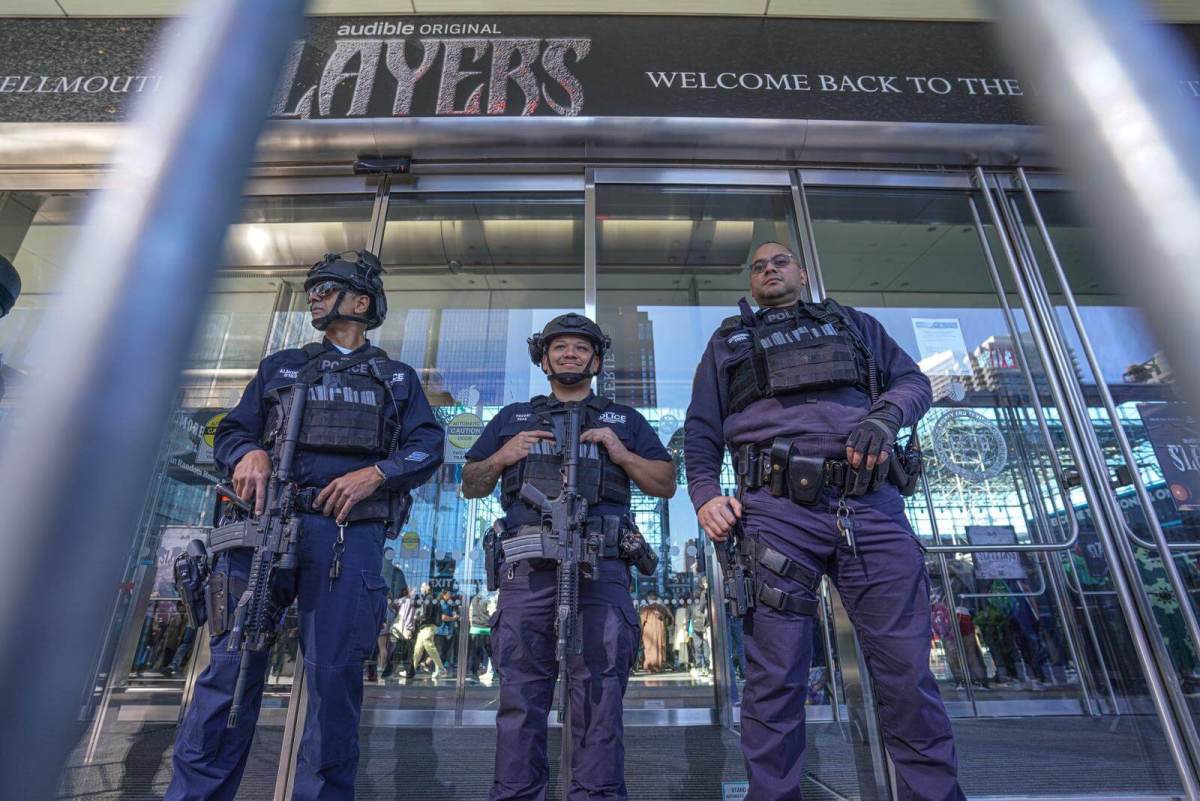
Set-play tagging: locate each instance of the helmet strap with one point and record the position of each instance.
(571, 379)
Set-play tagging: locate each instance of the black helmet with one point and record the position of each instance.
(363, 274)
(575, 325)
(10, 286)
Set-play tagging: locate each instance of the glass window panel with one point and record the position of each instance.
(1036, 638)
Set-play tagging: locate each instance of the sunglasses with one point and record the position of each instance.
(324, 289)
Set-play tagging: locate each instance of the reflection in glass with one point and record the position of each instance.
(672, 261)
(1014, 633)
(1162, 430)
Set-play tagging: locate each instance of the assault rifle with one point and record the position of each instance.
(276, 533)
(565, 516)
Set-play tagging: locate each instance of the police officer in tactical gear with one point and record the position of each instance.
(617, 446)
(809, 398)
(367, 439)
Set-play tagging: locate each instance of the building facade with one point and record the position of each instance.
(510, 168)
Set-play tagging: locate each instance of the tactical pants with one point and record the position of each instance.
(885, 591)
(523, 645)
(337, 629)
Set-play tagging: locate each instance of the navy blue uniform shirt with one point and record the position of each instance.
(822, 419)
(416, 458)
(625, 421)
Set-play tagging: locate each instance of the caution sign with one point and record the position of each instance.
(208, 435)
(461, 433)
(210, 428)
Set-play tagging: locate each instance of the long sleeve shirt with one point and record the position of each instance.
(821, 419)
(420, 444)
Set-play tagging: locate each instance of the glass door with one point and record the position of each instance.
(1029, 667)
(671, 263)
(1146, 437)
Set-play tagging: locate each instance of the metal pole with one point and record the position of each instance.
(590, 243)
(1108, 83)
(109, 363)
(1147, 641)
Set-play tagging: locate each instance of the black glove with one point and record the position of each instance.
(874, 435)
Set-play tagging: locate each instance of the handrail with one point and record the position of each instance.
(1180, 731)
(1146, 502)
(1023, 362)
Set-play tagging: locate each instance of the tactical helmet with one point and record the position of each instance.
(10, 286)
(574, 325)
(363, 274)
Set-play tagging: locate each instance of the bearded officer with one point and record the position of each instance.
(367, 439)
(809, 398)
(617, 446)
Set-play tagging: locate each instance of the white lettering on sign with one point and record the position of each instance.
(73, 85)
(849, 84)
(751, 81)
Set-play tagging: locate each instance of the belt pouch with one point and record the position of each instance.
(805, 478)
(780, 449)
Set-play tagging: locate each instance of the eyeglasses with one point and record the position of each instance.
(324, 289)
(779, 260)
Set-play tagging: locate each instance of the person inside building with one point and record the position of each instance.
(617, 447)
(428, 617)
(654, 618)
(393, 574)
(478, 617)
(367, 438)
(809, 397)
(404, 631)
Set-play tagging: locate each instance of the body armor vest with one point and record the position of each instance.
(598, 478)
(802, 348)
(347, 400)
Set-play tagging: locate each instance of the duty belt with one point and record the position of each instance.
(754, 555)
(246, 534)
(377, 506)
(535, 542)
(786, 473)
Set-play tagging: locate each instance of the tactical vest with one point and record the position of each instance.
(802, 348)
(348, 397)
(597, 477)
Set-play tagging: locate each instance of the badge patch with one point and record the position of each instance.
(611, 417)
(288, 372)
(416, 456)
(521, 418)
(738, 338)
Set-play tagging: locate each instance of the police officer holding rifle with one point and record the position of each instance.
(326, 444)
(560, 558)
